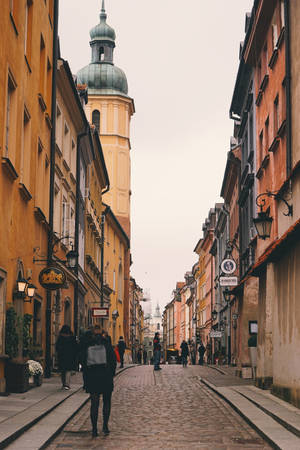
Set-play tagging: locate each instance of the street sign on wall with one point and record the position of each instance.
(52, 278)
(228, 281)
(100, 312)
(216, 334)
(228, 266)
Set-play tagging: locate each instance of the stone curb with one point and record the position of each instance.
(257, 418)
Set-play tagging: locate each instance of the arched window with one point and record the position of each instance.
(101, 54)
(96, 119)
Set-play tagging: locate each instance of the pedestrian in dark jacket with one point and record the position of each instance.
(139, 356)
(201, 351)
(184, 353)
(156, 351)
(121, 348)
(100, 363)
(67, 355)
(145, 356)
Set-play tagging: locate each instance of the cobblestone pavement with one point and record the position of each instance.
(169, 409)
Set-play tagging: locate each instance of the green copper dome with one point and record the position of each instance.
(102, 31)
(101, 76)
(103, 79)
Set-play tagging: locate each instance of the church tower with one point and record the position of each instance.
(110, 109)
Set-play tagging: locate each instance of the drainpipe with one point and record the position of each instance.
(288, 88)
(48, 362)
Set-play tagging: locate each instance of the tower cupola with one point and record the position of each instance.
(101, 75)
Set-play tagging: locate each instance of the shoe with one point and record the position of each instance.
(66, 388)
(105, 429)
(95, 433)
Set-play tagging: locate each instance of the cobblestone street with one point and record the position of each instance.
(169, 409)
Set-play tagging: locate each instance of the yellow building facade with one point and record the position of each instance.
(26, 64)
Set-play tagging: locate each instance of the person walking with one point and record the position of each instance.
(67, 355)
(156, 351)
(145, 356)
(193, 353)
(201, 351)
(139, 356)
(184, 353)
(100, 363)
(121, 348)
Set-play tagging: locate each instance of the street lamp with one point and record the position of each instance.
(214, 315)
(263, 222)
(25, 289)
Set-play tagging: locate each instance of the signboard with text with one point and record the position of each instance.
(228, 281)
(103, 313)
(216, 334)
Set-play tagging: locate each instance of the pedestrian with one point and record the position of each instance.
(184, 353)
(156, 351)
(201, 351)
(145, 356)
(193, 353)
(67, 355)
(100, 362)
(121, 348)
(84, 337)
(139, 356)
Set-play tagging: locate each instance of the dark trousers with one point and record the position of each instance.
(201, 360)
(121, 359)
(95, 399)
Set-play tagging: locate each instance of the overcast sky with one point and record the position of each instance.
(181, 61)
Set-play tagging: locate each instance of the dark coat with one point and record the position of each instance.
(121, 346)
(67, 352)
(184, 349)
(201, 350)
(98, 379)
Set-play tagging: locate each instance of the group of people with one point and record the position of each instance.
(97, 357)
(185, 352)
(142, 355)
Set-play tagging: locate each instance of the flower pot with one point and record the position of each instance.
(38, 379)
(17, 376)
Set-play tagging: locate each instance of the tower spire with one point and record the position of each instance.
(103, 14)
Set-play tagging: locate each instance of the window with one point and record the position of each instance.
(96, 119)
(274, 34)
(58, 128)
(114, 280)
(101, 54)
(267, 134)
(276, 115)
(65, 219)
(261, 146)
(28, 30)
(13, 6)
(42, 65)
(26, 154)
(49, 82)
(67, 142)
(10, 127)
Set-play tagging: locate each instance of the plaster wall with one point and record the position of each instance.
(286, 326)
(267, 295)
(247, 311)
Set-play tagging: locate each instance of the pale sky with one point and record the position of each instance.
(181, 60)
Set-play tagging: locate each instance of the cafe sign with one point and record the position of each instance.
(52, 278)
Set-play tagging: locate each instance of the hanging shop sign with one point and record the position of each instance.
(52, 278)
(100, 312)
(216, 334)
(228, 281)
(228, 266)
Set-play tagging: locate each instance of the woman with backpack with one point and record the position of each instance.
(100, 366)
